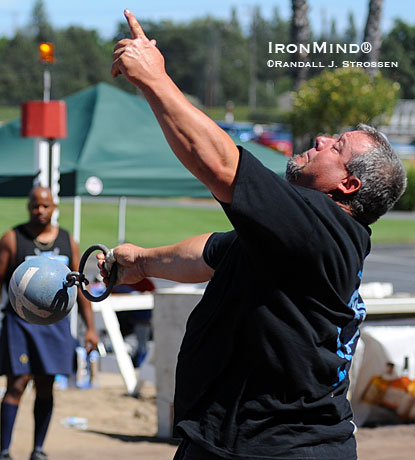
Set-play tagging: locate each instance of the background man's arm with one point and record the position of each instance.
(7, 255)
(199, 143)
(84, 305)
(182, 262)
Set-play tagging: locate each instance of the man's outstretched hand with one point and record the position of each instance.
(135, 28)
(130, 264)
(137, 58)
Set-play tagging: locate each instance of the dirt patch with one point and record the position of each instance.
(123, 427)
(118, 425)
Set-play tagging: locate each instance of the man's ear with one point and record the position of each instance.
(349, 184)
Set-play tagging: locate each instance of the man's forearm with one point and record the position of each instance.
(85, 309)
(182, 262)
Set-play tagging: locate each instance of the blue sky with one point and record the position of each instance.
(103, 15)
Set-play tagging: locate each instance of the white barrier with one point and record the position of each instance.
(171, 310)
(107, 308)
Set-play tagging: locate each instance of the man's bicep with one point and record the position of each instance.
(216, 247)
(191, 260)
(182, 261)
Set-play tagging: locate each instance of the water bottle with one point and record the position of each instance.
(93, 360)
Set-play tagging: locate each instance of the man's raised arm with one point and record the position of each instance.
(197, 141)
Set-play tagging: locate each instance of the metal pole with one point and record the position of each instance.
(121, 219)
(46, 85)
(54, 175)
(77, 219)
(77, 237)
(41, 160)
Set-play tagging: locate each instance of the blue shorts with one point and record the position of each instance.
(27, 348)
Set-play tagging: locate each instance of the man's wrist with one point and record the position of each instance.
(143, 263)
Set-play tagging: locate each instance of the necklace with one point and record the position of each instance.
(43, 246)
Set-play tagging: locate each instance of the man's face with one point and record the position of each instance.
(41, 207)
(323, 167)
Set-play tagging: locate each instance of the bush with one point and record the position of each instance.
(333, 101)
(407, 201)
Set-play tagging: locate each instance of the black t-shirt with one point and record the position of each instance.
(263, 368)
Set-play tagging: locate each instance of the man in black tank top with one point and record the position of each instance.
(28, 350)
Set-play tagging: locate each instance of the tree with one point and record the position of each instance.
(301, 34)
(333, 101)
(207, 57)
(234, 68)
(271, 82)
(40, 25)
(333, 30)
(212, 68)
(20, 72)
(350, 35)
(399, 45)
(373, 34)
(253, 45)
(81, 61)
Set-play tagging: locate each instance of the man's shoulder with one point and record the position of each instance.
(10, 234)
(21, 228)
(8, 241)
(64, 234)
(63, 231)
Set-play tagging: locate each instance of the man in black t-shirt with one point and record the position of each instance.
(263, 374)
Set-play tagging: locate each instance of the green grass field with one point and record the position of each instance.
(147, 226)
(8, 113)
(154, 226)
(393, 231)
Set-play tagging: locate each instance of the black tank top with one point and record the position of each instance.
(26, 247)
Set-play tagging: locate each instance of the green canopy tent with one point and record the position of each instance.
(113, 136)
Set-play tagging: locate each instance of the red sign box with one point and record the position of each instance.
(44, 119)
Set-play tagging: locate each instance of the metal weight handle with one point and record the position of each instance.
(80, 279)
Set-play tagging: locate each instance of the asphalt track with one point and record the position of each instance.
(385, 264)
(392, 264)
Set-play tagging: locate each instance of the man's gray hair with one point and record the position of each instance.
(383, 178)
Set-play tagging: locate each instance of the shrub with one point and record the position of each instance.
(407, 201)
(333, 101)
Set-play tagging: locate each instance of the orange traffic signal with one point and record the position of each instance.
(46, 52)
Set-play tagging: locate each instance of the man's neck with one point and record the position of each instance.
(345, 207)
(44, 233)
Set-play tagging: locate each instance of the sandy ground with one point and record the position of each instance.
(123, 427)
(118, 426)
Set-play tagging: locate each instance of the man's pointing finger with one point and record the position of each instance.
(135, 28)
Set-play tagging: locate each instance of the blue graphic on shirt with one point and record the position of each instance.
(53, 254)
(348, 336)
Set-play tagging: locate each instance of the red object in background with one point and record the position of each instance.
(278, 141)
(145, 285)
(44, 119)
